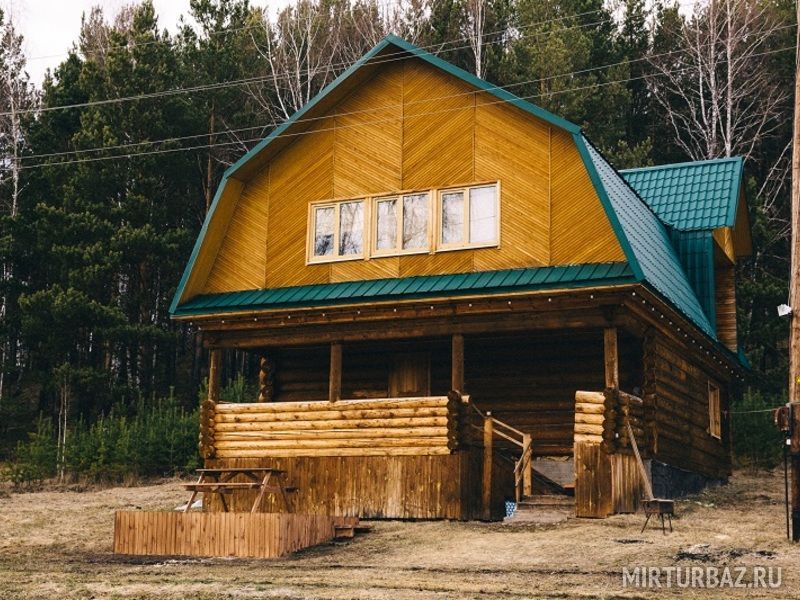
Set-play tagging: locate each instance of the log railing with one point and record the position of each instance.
(523, 466)
(376, 427)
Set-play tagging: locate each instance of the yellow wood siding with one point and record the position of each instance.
(580, 230)
(514, 148)
(724, 238)
(241, 258)
(300, 174)
(411, 126)
(214, 239)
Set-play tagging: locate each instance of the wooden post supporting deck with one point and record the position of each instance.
(335, 383)
(488, 432)
(457, 370)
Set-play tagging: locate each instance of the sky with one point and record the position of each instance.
(50, 27)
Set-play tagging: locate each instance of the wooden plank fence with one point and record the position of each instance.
(258, 535)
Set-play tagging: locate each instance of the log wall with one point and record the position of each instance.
(530, 382)
(676, 409)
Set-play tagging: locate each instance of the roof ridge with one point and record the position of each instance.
(688, 163)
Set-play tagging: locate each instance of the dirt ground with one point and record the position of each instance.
(57, 544)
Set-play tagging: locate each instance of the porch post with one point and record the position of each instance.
(611, 354)
(208, 406)
(214, 364)
(457, 368)
(486, 498)
(335, 379)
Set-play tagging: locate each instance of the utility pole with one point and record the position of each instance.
(794, 299)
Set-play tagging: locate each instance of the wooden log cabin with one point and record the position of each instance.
(456, 299)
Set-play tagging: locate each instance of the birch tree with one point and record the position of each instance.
(17, 98)
(307, 45)
(712, 87)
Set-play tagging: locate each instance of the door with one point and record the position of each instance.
(410, 375)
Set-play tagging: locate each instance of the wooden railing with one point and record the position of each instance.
(523, 466)
(373, 427)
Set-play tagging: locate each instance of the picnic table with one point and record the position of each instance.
(220, 481)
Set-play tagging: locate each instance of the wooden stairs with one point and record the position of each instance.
(346, 528)
(542, 509)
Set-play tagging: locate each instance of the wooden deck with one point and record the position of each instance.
(258, 535)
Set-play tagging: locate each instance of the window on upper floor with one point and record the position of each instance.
(404, 223)
(338, 230)
(468, 217)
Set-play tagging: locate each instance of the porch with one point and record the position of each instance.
(431, 427)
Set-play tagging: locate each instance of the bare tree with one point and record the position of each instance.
(475, 23)
(308, 45)
(17, 98)
(715, 94)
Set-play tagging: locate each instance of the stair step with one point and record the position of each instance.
(344, 531)
(546, 501)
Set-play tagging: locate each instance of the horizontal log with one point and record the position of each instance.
(354, 443)
(590, 397)
(590, 409)
(432, 401)
(331, 415)
(585, 437)
(589, 429)
(335, 424)
(407, 451)
(306, 434)
(593, 419)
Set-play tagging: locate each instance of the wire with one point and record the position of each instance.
(369, 110)
(440, 47)
(356, 125)
(386, 58)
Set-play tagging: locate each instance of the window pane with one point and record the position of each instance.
(452, 217)
(351, 228)
(482, 215)
(323, 231)
(386, 238)
(415, 221)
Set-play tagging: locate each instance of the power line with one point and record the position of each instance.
(355, 125)
(351, 113)
(387, 58)
(261, 26)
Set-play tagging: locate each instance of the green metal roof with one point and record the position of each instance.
(693, 195)
(696, 252)
(409, 288)
(644, 238)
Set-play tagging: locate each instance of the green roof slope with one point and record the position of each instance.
(409, 288)
(693, 195)
(654, 258)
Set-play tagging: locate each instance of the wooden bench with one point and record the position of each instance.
(260, 479)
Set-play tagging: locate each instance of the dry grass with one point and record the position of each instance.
(58, 544)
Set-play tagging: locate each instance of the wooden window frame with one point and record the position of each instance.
(398, 250)
(441, 246)
(370, 238)
(714, 411)
(311, 259)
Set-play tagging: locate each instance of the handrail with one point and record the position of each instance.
(523, 467)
